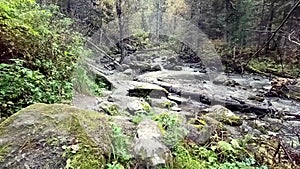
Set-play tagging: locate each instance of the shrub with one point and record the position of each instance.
(20, 87)
(49, 49)
(42, 37)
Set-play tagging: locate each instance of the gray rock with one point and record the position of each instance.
(148, 147)
(199, 137)
(163, 102)
(106, 93)
(177, 99)
(135, 106)
(108, 108)
(141, 67)
(35, 137)
(224, 115)
(141, 58)
(220, 79)
(256, 98)
(172, 59)
(155, 67)
(140, 89)
(128, 71)
(177, 68)
(169, 66)
(128, 128)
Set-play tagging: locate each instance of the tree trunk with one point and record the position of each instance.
(120, 20)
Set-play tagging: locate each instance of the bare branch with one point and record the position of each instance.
(102, 51)
(293, 41)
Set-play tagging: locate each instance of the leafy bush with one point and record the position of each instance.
(44, 40)
(21, 86)
(174, 132)
(43, 37)
(120, 143)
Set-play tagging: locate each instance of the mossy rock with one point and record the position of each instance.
(224, 115)
(55, 136)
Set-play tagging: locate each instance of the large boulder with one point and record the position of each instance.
(54, 136)
(148, 146)
(141, 89)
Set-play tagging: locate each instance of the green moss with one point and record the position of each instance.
(4, 149)
(88, 156)
(270, 66)
(112, 110)
(88, 130)
(231, 120)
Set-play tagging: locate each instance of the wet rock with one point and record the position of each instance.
(224, 115)
(256, 98)
(148, 147)
(172, 59)
(200, 137)
(35, 137)
(163, 103)
(136, 106)
(108, 108)
(155, 67)
(231, 83)
(177, 99)
(220, 79)
(140, 89)
(128, 71)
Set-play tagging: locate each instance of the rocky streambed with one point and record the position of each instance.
(171, 84)
(153, 102)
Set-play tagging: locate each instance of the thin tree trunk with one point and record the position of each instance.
(119, 14)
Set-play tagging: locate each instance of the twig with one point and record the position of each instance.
(285, 151)
(290, 39)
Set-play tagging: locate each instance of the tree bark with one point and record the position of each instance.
(120, 22)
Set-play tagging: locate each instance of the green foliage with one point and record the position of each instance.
(141, 115)
(21, 87)
(44, 40)
(273, 67)
(167, 120)
(225, 155)
(115, 165)
(43, 37)
(120, 143)
(85, 83)
(174, 133)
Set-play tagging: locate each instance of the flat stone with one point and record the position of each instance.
(141, 89)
